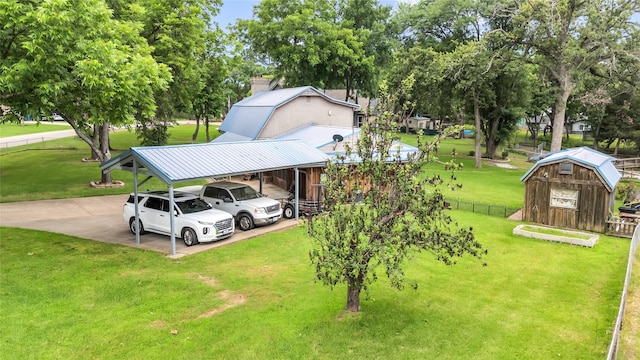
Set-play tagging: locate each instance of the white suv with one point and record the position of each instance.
(248, 207)
(195, 220)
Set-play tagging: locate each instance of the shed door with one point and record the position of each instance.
(538, 202)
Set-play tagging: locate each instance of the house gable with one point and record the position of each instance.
(259, 116)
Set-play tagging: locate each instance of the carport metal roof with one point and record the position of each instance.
(177, 163)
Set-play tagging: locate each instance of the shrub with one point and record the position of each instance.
(628, 191)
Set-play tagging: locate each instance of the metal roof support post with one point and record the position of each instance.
(172, 214)
(297, 197)
(135, 200)
(260, 176)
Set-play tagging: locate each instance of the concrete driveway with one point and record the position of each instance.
(100, 218)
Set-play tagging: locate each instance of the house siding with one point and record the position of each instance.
(309, 108)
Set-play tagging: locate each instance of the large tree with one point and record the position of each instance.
(74, 58)
(211, 102)
(178, 32)
(309, 44)
(465, 66)
(401, 211)
(570, 37)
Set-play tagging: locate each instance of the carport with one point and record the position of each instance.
(179, 163)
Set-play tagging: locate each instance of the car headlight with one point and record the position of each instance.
(260, 210)
(205, 223)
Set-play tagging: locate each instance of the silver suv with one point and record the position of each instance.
(248, 207)
(195, 221)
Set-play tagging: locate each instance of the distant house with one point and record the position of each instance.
(580, 127)
(573, 188)
(426, 124)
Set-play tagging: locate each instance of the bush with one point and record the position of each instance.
(628, 191)
(505, 153)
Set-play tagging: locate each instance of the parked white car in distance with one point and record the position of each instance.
(195, 221)
(248, 207)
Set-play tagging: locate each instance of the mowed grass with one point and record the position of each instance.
(64, 297)
(489, 184)
(58, 171)
(29, 127)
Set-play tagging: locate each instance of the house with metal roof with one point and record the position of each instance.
(269, 114)
(572, 188)
(301, 113)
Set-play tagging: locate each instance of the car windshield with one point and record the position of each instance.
(192, 206)
(244, 193)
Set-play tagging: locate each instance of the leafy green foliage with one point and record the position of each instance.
(325, 43)
(74, 58)
(569, 39)
(379, 211)
(152, 132)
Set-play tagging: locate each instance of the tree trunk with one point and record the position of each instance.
(560, 108)
(194, 137)
(96, 140)
(476, 115)
(206, 128)
(95, 149)
(353, 298)
(595, 132)
(491, 143)
(104, 150)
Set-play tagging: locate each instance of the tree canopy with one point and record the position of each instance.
(76, 59)
(325, 43)
(393, 210)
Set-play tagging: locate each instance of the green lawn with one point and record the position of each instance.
(64, 297)
(29, 127)
(22, 170)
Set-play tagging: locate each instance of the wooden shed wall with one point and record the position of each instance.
(594, 200)
(309, 182)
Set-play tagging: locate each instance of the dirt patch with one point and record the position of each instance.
(159, 324)
(266, 270)
(113, 184)
(207, 280)
(230, 298)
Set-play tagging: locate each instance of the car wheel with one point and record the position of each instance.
(189, 237)
(288, 212)
(245, 222)
(132, 226)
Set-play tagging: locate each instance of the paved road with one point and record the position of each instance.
(100, 218)
(19, 140)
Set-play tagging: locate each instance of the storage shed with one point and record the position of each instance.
(573, 188)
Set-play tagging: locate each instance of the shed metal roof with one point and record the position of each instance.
(249, 116)
(601, 163)
(199, 161)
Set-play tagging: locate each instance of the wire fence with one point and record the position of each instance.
(482, 208)
(613, 347)
(20, 145)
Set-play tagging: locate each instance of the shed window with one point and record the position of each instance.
(566, 168)
(564, 198)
